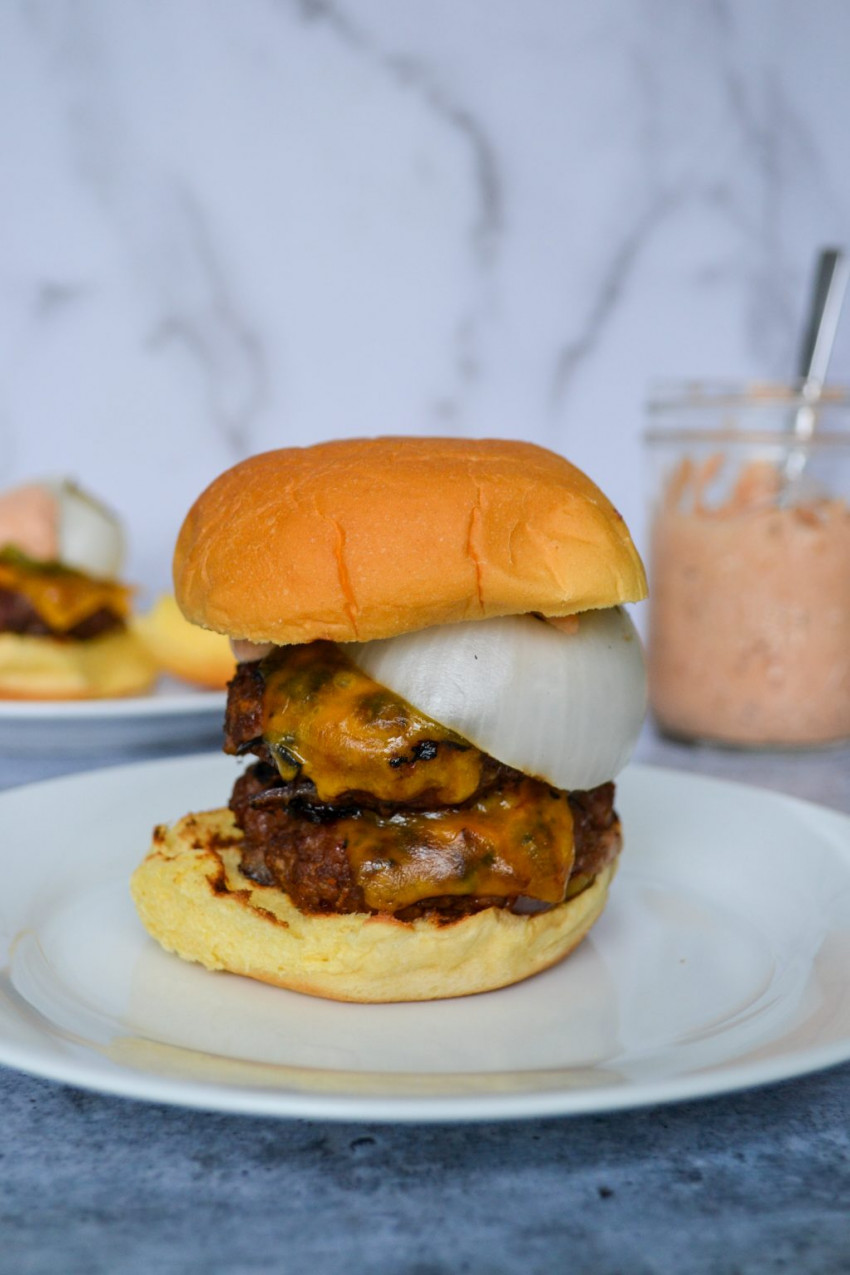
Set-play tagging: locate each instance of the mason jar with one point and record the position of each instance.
(749, 564)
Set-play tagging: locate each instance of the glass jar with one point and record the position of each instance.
(749, 565)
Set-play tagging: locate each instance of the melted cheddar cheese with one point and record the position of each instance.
(326, 718)
(508, 843)
(330, 722)
(61, 596)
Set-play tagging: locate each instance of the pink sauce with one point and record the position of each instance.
(29, 521)
(750, 612)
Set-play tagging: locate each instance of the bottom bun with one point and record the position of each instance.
(193, 899)
(115, 664)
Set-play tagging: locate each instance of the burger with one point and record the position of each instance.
(65, 629)
(437, 685)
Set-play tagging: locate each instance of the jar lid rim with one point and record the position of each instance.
(782, 438)
(695, 395)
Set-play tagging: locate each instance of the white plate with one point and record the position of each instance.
(720, 963)
(172, 715)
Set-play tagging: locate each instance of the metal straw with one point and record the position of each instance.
(831, 276)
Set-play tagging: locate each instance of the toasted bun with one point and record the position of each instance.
(368, 538)
(192, 898)
(43, 668)
(183, 649)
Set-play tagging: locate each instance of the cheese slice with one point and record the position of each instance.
(62, 596)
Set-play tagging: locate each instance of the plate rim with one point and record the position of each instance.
(425, 1109)
(138, 1084)
(181, 703)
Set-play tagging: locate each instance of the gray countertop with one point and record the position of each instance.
(754, 1182)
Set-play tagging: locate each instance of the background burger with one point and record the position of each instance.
(65, 629)
(438, 685)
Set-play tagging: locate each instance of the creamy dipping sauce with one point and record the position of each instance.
(750, 611)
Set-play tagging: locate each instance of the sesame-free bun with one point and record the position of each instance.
(368, 538)
(43, 668)
(183, 649)
(194, 901)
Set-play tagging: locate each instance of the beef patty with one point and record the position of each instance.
(18, 615)
(304, 845)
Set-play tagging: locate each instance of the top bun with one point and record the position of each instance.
(367, 538)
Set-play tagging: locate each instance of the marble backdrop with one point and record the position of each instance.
(233, 225)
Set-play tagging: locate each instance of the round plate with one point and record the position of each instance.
(720, 963)
(171, 716)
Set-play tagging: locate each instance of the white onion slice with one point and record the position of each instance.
(566, 707)
(246, 652)
(90, 536)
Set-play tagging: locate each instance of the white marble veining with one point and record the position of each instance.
(231, 226)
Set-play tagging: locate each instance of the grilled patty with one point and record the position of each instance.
(18, 615)
(314, 849)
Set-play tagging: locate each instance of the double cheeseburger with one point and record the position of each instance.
(65, 615)
(437, 685)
